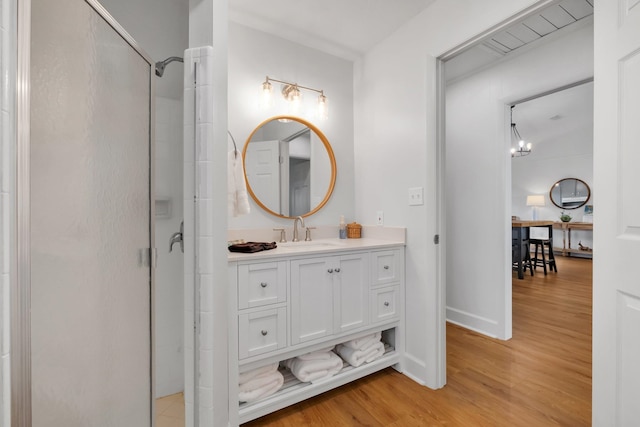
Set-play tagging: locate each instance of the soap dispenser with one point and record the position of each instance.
(343, 228)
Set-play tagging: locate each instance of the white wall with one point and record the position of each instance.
(7, 144)
(395, 146)
(161, 27)
(478, 170)
(252, 56)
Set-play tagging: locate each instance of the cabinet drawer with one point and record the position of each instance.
(262, 332)
(384, 303)
(385, 267)
(262, 284)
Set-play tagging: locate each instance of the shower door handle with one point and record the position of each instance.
(177, 238)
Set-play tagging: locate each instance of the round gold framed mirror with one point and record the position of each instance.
(289, 166)
(570, 193)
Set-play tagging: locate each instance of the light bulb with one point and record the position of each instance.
(266, 92)
(513, 151)
(295, 99)
(529, 146)
(521, 143)
(323, 107)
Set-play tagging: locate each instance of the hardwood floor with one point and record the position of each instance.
(541, 377)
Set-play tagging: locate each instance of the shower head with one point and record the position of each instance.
(161, 64)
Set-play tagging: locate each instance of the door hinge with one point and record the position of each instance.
(153, 254)
(436, 239)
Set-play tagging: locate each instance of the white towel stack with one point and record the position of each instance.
(361, 350)
(259, 383)
(315, 366)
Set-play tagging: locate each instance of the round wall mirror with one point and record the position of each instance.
(289, 166)
(570, 193)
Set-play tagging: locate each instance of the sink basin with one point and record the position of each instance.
(309, 246)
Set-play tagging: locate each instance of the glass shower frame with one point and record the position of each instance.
(21, 412)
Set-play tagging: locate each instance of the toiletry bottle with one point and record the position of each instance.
(343, 228)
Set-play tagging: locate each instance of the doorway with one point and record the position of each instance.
(479, 165)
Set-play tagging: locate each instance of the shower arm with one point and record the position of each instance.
(161, 64)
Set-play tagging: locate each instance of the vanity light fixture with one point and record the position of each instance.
(523, 149)
(291, 93)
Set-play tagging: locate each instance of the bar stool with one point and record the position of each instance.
(526, 261)
(540, 242)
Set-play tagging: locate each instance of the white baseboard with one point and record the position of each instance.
(473, 322)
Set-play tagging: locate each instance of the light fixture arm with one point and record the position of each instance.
(522, 149)
(291, 92)
(296, 85)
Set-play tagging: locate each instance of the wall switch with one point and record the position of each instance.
(416, 196)
(380, 218)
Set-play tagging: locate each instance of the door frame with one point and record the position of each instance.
(437, 69)
(20, 287)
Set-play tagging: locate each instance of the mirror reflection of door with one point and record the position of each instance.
(263, 171)
(289, 167)
(299, 173)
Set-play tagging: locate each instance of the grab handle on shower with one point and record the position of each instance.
(177, 238)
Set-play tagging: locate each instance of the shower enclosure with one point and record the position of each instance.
(86, 177)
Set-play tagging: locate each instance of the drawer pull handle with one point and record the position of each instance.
(264, 284)
(337, 270)
(264, 333)
(386, 303)
(330, 270)
(386, 267)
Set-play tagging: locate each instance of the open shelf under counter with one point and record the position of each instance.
(294, 391)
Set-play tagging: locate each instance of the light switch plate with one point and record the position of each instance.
(380, 218)
(416, 196)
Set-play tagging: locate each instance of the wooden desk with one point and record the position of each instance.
(520, 239)
(566, 228)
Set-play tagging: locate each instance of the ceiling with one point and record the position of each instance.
(532, 30)
(345, 28)
(350, 28)
(547, 119)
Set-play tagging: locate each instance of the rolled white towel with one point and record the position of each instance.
(364, 342)
(314, 370)
(249, 375)
(260, 387)
(358, 357)
(317, 355)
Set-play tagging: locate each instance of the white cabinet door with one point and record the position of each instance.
(328, 296)
(351, 290)
(311, 299)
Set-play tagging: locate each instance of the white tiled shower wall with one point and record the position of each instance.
(169, 272)
(7, 62)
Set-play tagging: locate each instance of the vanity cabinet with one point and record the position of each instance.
(283, 306)
(329, 295)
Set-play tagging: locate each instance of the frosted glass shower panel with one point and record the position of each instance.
(90, 193)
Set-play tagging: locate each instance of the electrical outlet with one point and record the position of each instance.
(416, 196)
(380, 218)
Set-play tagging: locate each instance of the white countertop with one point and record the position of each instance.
(380, 238)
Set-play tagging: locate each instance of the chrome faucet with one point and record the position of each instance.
(295, 227)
